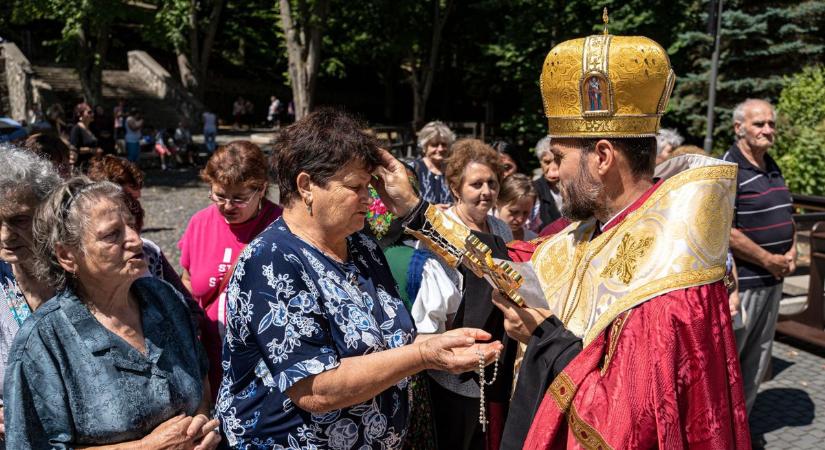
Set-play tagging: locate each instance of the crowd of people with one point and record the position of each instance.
(341, 315)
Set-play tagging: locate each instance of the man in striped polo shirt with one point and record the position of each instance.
(762, 238)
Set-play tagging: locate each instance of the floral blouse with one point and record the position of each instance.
(13, 312)
(434, 188)
(293, 312)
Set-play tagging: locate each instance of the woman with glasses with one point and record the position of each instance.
(216, 235)
(434, 140)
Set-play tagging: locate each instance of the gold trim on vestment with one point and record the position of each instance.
(677, 238)
(587, 436)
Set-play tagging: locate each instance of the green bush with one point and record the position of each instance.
(800, 146)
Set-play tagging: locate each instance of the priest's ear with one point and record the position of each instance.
(607, 155)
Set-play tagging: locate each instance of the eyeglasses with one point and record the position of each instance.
(237, 202)
(438, 144)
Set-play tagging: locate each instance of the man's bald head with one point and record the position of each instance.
(754, 122)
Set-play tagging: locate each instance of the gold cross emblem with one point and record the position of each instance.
(623, 264)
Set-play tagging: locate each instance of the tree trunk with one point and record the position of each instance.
(303, 45)
(193, 59)
(88, 64)
(422, 74)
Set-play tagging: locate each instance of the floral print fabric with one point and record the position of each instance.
(434, 188)
(293, 312)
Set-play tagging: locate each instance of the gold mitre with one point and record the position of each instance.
(606, 86)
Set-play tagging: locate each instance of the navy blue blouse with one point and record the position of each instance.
(293, 312)
(70, 381)
(434, 188)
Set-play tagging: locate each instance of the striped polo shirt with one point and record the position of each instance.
(763, 212)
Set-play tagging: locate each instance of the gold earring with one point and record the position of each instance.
(309, 206)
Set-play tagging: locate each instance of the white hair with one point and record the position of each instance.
(739, 110)
(668, 136)
(432, 130)
(24, 172)
(543, 146)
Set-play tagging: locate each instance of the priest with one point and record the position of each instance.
(636, 348)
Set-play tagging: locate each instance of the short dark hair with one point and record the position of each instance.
(320, 144)
(640, 152)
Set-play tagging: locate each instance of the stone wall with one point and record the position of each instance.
(16, 98)
(161, 83)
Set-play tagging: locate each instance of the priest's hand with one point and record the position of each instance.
(392, 182)
(519, 322)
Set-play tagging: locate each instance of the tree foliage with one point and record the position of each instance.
(800, 146)
(761, 41)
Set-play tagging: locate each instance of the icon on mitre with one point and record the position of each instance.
(595, 95)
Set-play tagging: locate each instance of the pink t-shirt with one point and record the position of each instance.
(208, 248)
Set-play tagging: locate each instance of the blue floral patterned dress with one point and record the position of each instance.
(434, 188)
(293, 312)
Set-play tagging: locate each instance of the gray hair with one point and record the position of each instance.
(543, 147)
(432, 130)
(23, 172)
(739, 110)
(63, 219)
(668, 136)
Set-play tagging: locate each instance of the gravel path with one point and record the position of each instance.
(170, 199)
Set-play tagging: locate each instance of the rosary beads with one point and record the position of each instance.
(482, 412)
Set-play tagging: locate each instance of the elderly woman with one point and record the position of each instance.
(129, 177)
(113, 359)
(434, 140)
(548, 204)
(319, 346)
(216, 235)
(667, 140)
(474, 175)
(24, 183)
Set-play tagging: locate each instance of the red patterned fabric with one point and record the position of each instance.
(673, 381)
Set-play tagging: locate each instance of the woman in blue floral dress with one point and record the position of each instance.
(319, 346)
(434, 140)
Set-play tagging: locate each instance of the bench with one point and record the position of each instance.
(806, 322)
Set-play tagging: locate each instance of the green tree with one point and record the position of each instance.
(761, 41)
(190, 28)
(85, 36)
(800, 145)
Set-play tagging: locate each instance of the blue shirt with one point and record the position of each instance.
(293, 312)
(763, 213)
(70, 381)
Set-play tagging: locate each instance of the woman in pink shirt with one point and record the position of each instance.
(216, 235)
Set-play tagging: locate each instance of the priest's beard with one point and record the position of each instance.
(581, 197)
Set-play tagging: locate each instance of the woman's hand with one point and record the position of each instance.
(170, 435)
(456, 351)
(519, 322)
(393, 185)
(203, 432)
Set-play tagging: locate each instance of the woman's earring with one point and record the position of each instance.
(309, 206)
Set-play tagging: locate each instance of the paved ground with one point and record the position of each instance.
(784, 416)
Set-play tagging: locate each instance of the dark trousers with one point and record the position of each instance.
(456, 420)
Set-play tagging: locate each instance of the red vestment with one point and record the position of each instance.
(664, 374)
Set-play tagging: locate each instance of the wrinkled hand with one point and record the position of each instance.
(391, 182)
(733, 302)
(777, 265)
(210, 438)
(456, 351)
(519, 322)
(201, 431)
(790, 257)
(170, 435)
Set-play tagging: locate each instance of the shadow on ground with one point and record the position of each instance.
(778, 408)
